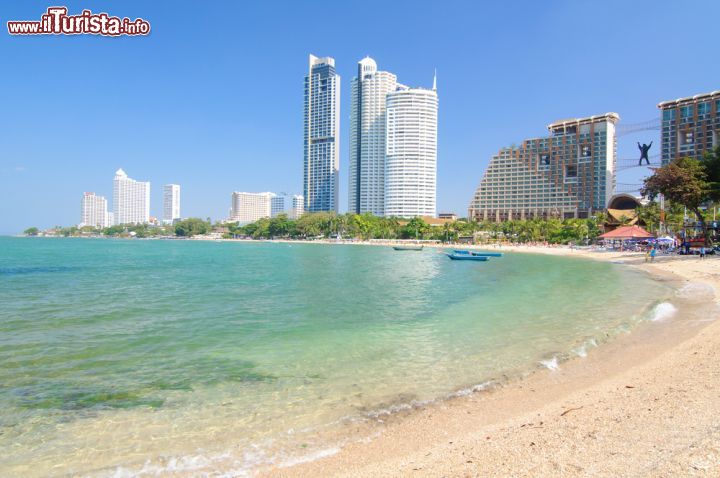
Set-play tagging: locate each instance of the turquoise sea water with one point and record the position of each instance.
(123, 358)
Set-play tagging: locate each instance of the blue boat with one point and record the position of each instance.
(467, 257)
(479, 253)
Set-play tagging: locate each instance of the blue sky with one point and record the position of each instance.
(212, 99)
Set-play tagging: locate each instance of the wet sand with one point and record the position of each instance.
(645, 404)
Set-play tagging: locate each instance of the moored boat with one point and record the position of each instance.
(479, 253)
(408, 248)
(467, 257)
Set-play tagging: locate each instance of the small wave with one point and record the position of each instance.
(400, 407)
(551, 364)
(663, 311)
(309, 457)
(470, 390)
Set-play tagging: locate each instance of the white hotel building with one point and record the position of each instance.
(393, 145)
(171, 203)
(249, 207)
(367, 138)
(131, 200)
(93, 211)
(411, 152)
(297, 207)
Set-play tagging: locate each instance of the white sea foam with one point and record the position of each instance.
(582, 349)
(551, 364)
(400, 407)
(309, 457)
(663, 311)
(470, 390)
(696, 291)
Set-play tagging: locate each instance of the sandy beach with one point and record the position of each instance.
(645, 404)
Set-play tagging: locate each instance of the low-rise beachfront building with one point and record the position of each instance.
(448, 215)
(570, 173)
(690, 126)
(93, 211)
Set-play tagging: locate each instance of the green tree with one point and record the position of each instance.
(191, 227)
(279, 226)
(31, 231)
(416, 228)
(683, 181)
(711, 163)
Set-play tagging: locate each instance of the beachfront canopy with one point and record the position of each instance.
(627, 232)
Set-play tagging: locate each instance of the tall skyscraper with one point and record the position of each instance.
(367, 138)
(411, 152)
(131, 200)
(171, 203)
(690, 126)
(93, 211)
(298, 206)
(321, 135)
(571, 173)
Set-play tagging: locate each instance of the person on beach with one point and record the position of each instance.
(702, 252)
(653, 251)
(647, 254)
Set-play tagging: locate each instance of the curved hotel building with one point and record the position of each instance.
(411, 152)
(570, 173)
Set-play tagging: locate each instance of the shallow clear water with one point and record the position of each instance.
(134, 357)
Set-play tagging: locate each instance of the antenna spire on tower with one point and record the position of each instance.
(435, 80)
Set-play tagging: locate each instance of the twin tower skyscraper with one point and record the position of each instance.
(393, 142)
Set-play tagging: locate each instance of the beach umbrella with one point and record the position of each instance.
(627, 232)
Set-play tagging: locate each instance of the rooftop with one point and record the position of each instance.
(688, 99)
(613, 117)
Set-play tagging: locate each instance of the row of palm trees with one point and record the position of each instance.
(366, 226)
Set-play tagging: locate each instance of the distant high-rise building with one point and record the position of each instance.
(571, 173)
(277, 204)
(411, 152)
(321, 135)
(249, 207)
(367, 138)
(131, 200)
(171, 203)
(690, 126)
(297, 207)
(93, 211)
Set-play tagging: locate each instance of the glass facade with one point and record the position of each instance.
(321, 162)
(690, 126)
